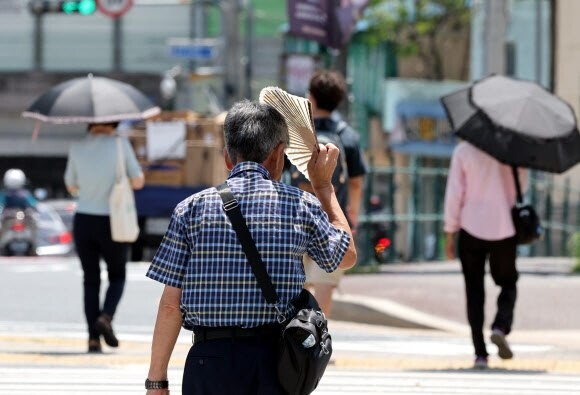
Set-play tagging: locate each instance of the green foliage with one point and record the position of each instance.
(575, 250)
(413, 25)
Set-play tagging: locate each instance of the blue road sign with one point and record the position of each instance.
(192, 51)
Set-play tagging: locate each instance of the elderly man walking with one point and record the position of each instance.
(209, 285)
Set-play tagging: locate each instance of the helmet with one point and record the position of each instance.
(14, 179)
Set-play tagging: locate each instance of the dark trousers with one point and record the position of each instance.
(473, 253)
(240, 366)
(92, 236)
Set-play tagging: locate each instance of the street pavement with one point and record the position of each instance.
(126, 380)
(547, 293)
(430, 296)
(422, 346)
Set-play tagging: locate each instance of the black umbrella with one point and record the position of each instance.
(517, 122)
(91, 100)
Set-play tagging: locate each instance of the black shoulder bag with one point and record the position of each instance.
(305, 344)
(524, 216)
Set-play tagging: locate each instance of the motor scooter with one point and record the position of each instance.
(17, 232)
(380, 233)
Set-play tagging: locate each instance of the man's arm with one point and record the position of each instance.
(320, 168)
(355, 189)
(167, 327)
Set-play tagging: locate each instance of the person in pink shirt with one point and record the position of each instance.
(479, 196)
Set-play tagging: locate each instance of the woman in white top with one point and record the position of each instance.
(90, 175)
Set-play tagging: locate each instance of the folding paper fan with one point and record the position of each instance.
(297, 111)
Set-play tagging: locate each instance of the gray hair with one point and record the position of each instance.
(252, 130)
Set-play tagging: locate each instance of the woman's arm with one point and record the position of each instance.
(133, 168)
(72, 189)
(138, 182)
(454, 193)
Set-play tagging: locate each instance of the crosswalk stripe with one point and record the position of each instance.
(128, 380)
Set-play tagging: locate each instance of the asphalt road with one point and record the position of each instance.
(49, 290)
(43, 344)
(548, 293)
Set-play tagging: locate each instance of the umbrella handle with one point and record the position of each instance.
(35, 131)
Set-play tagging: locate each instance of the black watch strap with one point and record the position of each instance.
(156, 385)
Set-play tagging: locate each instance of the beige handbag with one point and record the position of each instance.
(124, 227)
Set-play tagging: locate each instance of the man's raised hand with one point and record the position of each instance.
(321, 166)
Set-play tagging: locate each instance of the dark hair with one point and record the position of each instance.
(113, 125)
(328, 88)
(252, 130)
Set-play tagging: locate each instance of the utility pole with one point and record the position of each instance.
(37, 8)
(539, 42)
(248, 47)
(38, 55)
(117, 45)
(198, 25)
(494, 36)
(230, 12)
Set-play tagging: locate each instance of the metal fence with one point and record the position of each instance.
(406, 203)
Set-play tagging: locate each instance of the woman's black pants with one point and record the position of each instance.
(92, 236)
(473, 253)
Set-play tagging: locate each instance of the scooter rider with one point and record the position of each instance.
(18, 224)
(16, 196)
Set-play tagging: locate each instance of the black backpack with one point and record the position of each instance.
(340, 175)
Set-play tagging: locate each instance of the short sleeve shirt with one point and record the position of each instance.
(201, 254)
(91, 167)
(355, 161)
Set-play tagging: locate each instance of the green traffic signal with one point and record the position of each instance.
(69, 7)
(83, 7)
(87, 7)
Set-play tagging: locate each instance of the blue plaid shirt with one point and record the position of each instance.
(201, 254)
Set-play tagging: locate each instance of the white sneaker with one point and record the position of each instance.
(504, 350)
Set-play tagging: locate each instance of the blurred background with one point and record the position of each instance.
(195, 58)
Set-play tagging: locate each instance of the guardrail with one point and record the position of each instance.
(411, 212)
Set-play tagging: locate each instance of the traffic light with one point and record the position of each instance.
(82, 7)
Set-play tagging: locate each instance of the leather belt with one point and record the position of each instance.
(201, 333)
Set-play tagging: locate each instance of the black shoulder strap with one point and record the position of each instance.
(233, 211)
(340, 128)
(518, 187)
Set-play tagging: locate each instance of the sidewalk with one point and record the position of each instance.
(429, 297)
(420, 308)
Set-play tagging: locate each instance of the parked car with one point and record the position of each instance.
(65, 208)
(35, 231)
(53, 236)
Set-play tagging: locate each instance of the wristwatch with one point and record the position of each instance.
(156, 385)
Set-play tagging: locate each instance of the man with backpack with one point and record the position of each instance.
(327, 88)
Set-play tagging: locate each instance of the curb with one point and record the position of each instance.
(380, 311)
